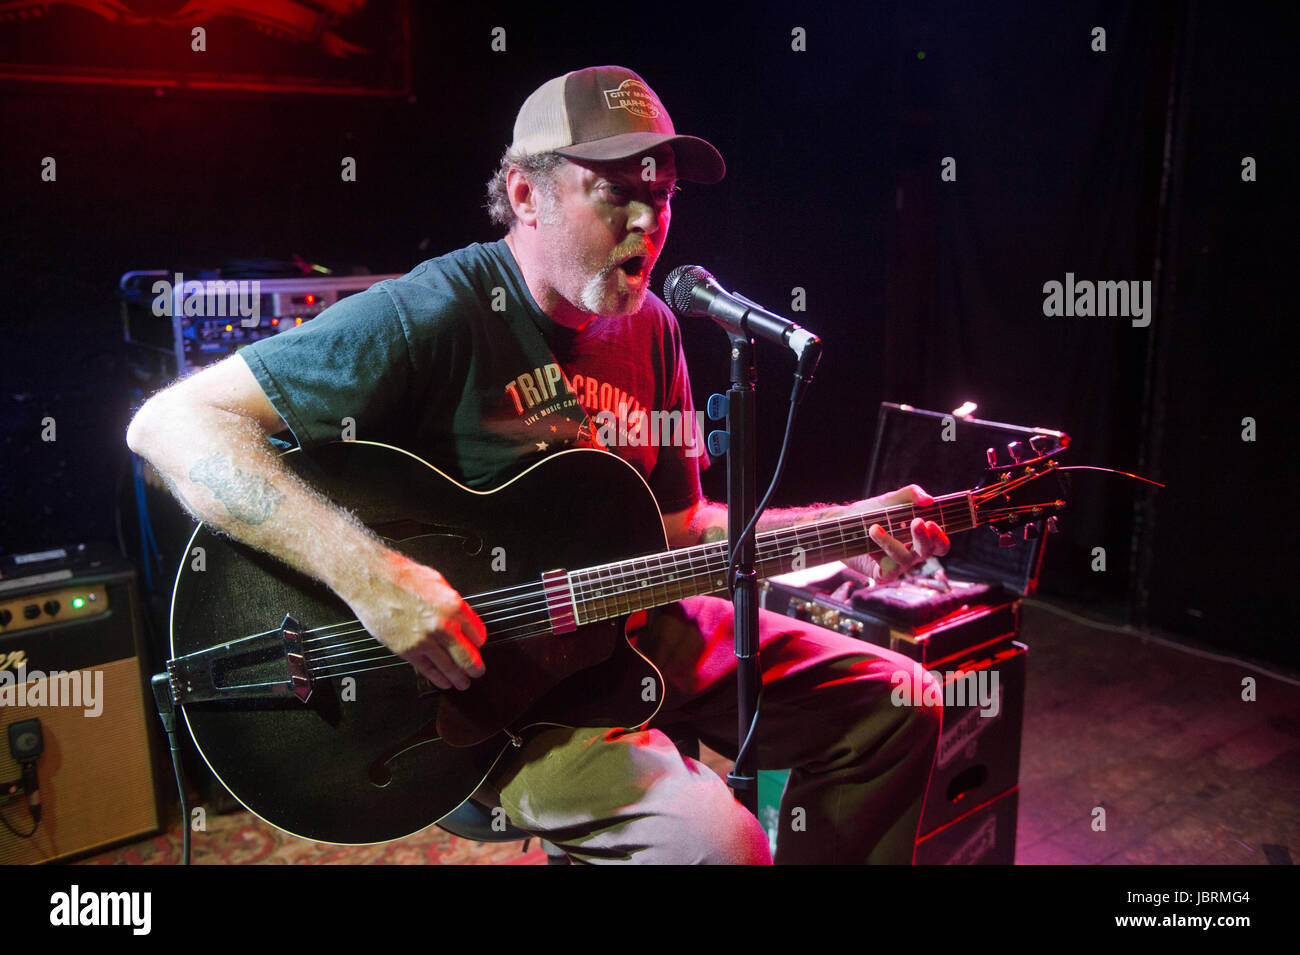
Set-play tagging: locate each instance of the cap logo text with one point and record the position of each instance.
(635, 97)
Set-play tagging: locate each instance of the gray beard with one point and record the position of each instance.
(591, 300)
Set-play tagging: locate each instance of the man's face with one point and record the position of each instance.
(603, 227)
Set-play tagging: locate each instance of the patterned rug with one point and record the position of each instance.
(241, 838)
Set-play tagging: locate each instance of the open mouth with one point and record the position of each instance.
(633, 267)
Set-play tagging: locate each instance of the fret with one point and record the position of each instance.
(598, 593)
(647, 583)
(610, 591)
(597, 601)
(625, 570)
(633, 580)
(647, 588)
(593, 586)
(580, 609)
(606, 588)
(634, 583)
(717, 569)
(575, 594)
(623, 603)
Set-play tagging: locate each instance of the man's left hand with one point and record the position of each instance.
(928, 538)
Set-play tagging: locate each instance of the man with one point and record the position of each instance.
(487, 359)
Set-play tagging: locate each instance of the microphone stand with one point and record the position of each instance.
(741, 318)
(742, 475)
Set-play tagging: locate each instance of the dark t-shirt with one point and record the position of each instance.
(456, 363)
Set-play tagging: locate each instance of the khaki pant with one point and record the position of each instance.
(859, 764)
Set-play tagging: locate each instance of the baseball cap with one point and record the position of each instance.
(604, 113)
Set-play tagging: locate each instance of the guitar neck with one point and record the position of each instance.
(612, 590)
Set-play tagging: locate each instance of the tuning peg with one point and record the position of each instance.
(1017, 451)
(992, 456)
(1007, 540)
(1041, 443)
(1051, 526)
(1031, 531)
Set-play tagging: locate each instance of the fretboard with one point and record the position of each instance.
(640, 583)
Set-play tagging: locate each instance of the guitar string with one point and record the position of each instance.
(592, 590)
(508, 596)
(708, 554)
(538, 610)
(355, 658)
(533, 624)
(543, 623)
(529, 616)
(352, 663)
(537, 598)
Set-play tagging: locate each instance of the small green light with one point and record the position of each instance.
(78, 603)
(920, 54)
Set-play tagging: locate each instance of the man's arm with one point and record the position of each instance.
(707, 521)
(207, 438)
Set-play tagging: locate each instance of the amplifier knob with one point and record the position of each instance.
(31, 611)
(52, 607)
(5, 617)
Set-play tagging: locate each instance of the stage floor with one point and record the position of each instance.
(1187, 771)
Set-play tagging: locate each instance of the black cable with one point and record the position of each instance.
(162, 694)
(796, 396)
(21, 835)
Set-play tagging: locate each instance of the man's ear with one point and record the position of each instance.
(525, 198)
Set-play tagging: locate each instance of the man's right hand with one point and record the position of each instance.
(414, 611)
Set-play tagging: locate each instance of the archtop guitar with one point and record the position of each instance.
(318, 728)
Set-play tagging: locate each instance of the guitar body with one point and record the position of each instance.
(377, 753)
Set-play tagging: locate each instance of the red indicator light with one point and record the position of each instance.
(311, 299)
(275, 321)
(297, 321)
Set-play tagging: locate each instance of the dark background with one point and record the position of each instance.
(926, 292)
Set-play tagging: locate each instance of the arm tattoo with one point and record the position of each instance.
(248, 498)
(712, 534)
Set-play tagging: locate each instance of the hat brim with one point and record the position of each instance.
(696, 159)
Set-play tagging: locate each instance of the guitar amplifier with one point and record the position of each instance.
(984, 836)
(75, 714)
(959, 619)
(971, 649)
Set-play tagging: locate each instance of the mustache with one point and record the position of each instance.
(647, 252)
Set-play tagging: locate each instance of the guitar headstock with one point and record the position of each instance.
(1028, 491)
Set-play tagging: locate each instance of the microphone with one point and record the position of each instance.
(692, 291)
(26, 745)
